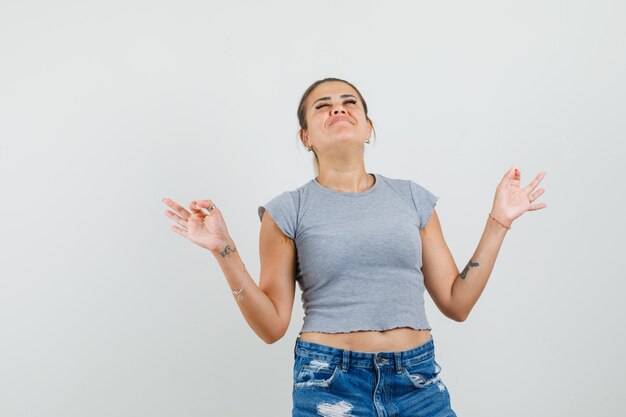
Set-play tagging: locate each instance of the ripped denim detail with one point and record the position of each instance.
(422, 377)
(316, 373)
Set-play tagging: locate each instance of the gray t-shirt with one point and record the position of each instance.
(359, 255)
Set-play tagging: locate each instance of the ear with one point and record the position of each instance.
(371, 126)
(303, 136)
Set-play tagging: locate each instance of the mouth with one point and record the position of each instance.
(340, 119)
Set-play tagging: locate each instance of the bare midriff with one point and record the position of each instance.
(392, 340)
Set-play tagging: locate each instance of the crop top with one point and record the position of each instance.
(359, 254)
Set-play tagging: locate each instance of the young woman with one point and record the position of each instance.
(363, 247)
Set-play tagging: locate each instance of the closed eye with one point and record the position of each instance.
(352, 101)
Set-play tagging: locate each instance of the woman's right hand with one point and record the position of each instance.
(206, 230)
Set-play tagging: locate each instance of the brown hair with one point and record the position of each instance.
(302, 110)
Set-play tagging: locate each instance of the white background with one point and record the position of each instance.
(107, 107)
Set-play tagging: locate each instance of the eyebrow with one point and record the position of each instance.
(328, 98)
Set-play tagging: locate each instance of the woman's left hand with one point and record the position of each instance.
(511, 201)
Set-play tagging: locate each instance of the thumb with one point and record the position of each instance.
(207, 204)
(509, 176)
(203, 203)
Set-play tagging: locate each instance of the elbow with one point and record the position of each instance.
(455, 310)
(459, 316)
(270, 339)
(460, 319)
(274, 337)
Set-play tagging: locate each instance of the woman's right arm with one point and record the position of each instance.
(267, 307)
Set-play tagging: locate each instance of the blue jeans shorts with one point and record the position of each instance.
(333, 382)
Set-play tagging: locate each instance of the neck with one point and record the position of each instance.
(346, 181)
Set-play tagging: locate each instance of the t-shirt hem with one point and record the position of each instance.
(364, 328)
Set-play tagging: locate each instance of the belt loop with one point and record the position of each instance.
(345, 361)
(399, 367)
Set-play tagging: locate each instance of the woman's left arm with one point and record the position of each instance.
(455, 293)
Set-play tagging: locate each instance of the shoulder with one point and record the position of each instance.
(424, 200)
(418, 190)
(421, 198)
(406, 186)
(293, 196)
(286, 202)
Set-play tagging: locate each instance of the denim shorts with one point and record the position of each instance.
(332, 382)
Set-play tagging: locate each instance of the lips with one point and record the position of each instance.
(340, 119)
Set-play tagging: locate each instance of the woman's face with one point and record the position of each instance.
(335, 116)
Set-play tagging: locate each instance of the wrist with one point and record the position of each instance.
(226, 246)
(500, 219)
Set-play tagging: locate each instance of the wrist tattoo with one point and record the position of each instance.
(226, 250)
(467, 267)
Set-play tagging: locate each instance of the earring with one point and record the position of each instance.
(367, 140)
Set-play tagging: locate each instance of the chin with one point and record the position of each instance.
(345, 138)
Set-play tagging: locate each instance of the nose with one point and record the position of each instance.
(339, 109)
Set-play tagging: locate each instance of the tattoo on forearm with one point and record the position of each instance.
(226, 250)
(467, 267)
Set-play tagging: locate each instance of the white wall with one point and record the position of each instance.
(107, 107)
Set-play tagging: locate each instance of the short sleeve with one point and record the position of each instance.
(283, 209)
(424, 201)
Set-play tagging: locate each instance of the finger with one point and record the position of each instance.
(177, 208)
(539, 206)
(195, 209)
(180, 231)
(176, 218)
(516, 178)
(530, 187)
(535, 195)
(204, 204)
